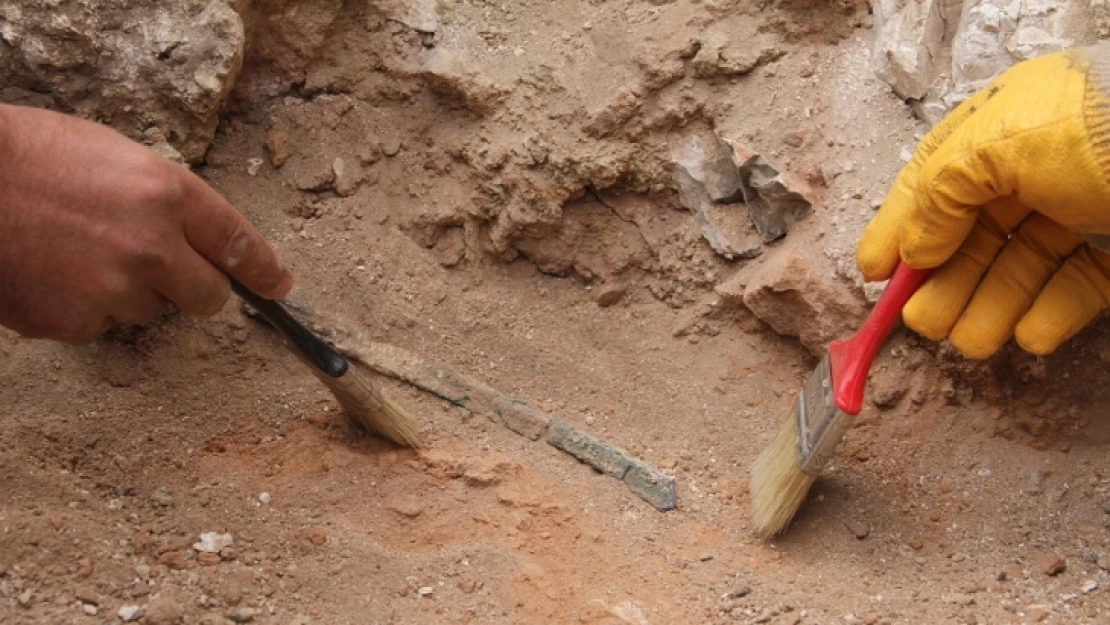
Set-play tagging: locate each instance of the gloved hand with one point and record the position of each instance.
(1006, 197)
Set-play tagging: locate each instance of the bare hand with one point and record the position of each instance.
(96, 229)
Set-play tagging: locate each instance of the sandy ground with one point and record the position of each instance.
(976, 492)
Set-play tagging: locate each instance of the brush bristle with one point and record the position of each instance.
(778, 484)
(368, 408)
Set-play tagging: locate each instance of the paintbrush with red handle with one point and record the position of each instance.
(823, 412)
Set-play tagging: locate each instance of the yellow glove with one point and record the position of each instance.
(1006, 197)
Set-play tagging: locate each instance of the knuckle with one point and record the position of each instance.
(157, 182)
(144, 251)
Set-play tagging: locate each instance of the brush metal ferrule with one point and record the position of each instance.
(821, 425)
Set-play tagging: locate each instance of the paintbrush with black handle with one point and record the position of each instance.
(361, 401)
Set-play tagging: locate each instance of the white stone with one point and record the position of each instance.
(908, 40)
(130, 613)
(212, 542)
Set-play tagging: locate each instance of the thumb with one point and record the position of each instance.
(222, 235)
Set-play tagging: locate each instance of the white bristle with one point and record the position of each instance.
(778, 485)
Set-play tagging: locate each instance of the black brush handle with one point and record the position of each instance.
(308, 345)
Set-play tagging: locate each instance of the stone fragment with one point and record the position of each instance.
(129, 613)
(797, 299)
(908, 40)
(173, 559)
(163, 611)
(212, 542)
(348, 176)
(1049, 563)
(208, 559)
(242, 615)
(278, 148)
(316, 535)
(859, 528)
(610, 294)
(706, 175)
(775, 200)
(161, 498)
(409, 508)
(710, 161)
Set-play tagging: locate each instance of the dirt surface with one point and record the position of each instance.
(517, 221)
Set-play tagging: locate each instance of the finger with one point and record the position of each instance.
(138, 308)
(936, 307)
(954, 181)
(877, 253)
(87, 333)
(223, 236)
(1077, 293)
(1012, 283)
(194, 284)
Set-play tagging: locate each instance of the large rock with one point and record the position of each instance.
(937, 53)
(796, 298)
(908, 38)
(158, 71)
(978, 54)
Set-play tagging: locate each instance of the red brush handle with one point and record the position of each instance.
(850, 359)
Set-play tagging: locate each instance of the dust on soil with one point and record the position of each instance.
(477, 224)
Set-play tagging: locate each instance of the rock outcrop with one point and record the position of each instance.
(157, 71)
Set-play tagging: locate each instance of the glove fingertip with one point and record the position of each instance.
(922, 320)
(975, 344)
(876, 258)
(1037, 339)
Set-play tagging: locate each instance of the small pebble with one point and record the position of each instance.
(264, 498)
(242, 615)
(1050, 563)
(739, 592)
(161, 497)
(391, 147)
(129, 613)
(89, 609)
(212, 542)
(859, 529)
(590, 420)
(1036, 615)
(1089, 586)
(424, 591)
